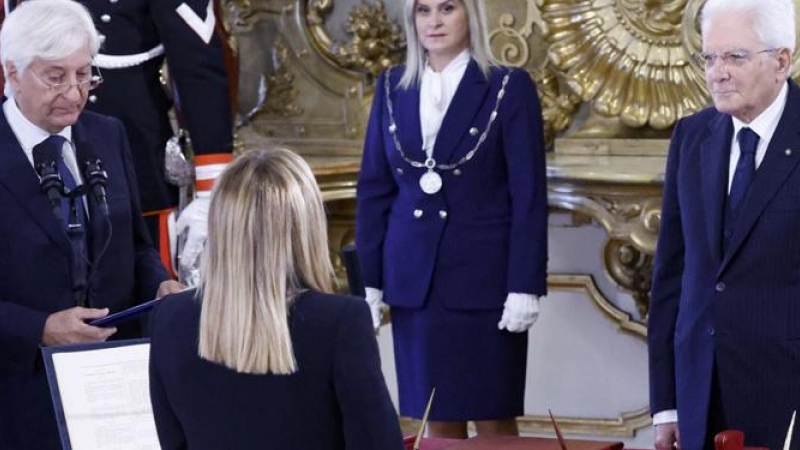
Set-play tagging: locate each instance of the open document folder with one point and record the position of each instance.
(101, 395)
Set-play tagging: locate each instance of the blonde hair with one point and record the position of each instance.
(267, 241)
(478, 41)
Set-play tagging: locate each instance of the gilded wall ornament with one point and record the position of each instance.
(376, 42)
(558, 105)
(629, 58)
(279, 94)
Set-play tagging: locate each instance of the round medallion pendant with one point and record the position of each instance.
(430, 182)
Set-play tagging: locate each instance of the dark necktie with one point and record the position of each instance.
(75, 223)
(78, 216)
(745, 168)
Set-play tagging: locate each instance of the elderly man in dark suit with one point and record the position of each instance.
(59, 271)
(724, 327)
(137, 36)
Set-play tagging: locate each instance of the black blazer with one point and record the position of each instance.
(336, 400)
(35, 278)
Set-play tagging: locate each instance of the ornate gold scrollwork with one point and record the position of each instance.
(242, 14)
(631, 269)
(558, 107)
(511, 46)
(376, 42)
(280, 87)
(630, 58)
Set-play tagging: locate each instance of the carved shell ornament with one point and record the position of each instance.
(630, 58)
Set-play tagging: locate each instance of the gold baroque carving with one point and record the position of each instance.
(376, 42)
(636, 220)
(242, 14)
(558, 107)
(630, 58)
(511, 47)
(280, 90)
(631, 269)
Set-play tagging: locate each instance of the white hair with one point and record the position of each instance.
(774, 20)
(478, 41)
(45, 29)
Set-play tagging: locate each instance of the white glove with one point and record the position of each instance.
(519, 312)
(194, 218)
(374, 298)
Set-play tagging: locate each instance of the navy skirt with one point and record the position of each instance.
(478, 370)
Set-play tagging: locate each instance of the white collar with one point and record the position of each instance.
(458, 64)
(766, 122)
(26, 132)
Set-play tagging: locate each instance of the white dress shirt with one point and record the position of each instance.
(29, 135)
(436, 91)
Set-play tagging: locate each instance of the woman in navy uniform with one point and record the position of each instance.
(262, 355)
(452, 220)
(137, 36)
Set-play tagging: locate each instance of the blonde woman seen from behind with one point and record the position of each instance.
(262, 354)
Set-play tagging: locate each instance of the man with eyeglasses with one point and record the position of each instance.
(68, 258)
(724, 323)
(137, 37)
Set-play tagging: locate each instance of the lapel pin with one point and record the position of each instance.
(788, 152)
(473, 131)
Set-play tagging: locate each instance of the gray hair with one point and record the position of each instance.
(478, 41)
(774, 20)
(45, 29)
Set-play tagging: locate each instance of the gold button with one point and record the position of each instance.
(399, 171)
(457, 172)
(473, 131)
(417, 213)
(105, 18)
(443, 214)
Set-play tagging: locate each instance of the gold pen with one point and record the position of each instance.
(418, 440)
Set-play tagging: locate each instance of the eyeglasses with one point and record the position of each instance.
(733, 58)
(84, 83)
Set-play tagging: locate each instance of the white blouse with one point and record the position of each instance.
(435, 94)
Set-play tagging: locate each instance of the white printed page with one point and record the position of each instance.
(106, 398)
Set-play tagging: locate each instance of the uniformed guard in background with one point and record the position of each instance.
(137, 36)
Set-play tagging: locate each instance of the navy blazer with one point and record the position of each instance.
(336, 400)
(35, 276)
(741, 305)
(484, 234)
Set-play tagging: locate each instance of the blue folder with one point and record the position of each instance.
(124, 315)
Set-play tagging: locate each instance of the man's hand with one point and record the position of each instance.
(194, 218)
(667, 436)
(169, 287)
(69, 327)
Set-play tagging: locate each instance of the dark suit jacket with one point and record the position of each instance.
(484, 234)
(35, 276)
(740, 306)
(337, 399)
(136, 96)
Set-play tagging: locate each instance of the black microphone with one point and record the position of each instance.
(50, 182)
(93, 174)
